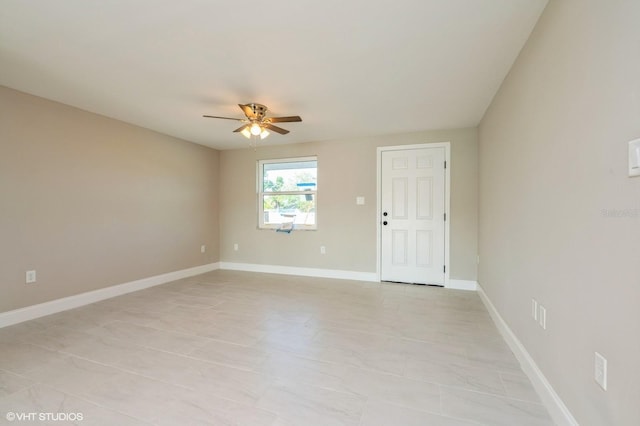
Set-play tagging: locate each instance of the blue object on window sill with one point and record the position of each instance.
(286, 227)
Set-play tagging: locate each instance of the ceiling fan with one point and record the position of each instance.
(256, 124)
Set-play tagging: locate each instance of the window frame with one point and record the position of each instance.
(261, 193)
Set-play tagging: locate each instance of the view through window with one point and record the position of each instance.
(287, 193)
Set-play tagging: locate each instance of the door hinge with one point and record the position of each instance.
(445, 164)
(445, 217)
(444, 269)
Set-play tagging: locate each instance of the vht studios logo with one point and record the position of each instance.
(44, 417)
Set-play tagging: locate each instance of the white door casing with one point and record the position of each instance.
(412, 244)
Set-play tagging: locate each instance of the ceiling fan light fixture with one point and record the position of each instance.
(264, 134)
(256, 129)
(246, 133)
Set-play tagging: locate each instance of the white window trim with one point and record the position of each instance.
(260, 194)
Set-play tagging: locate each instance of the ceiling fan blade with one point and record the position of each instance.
(241, 128)
(294, 118)
(248, 111)
(276, 129)
(224, 118)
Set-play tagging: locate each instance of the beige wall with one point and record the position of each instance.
(90, 202)
(346, 169)
(553, 160)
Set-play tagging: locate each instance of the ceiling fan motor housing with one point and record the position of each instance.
(259, 110)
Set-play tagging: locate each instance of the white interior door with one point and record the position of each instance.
(413, 215)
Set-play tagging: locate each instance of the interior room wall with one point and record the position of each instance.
(559, 216)
(346, 169)
(90, 202)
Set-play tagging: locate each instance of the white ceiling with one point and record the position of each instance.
(350, 68)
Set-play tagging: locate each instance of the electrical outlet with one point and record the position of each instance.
(203, 248)
(323, 250)
(534, 309)
(31, 277)
(236, 247)
(600, 373)
(542, 317)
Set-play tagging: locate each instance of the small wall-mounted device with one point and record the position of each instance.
(634, 157)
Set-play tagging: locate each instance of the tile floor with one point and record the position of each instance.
(236, 348)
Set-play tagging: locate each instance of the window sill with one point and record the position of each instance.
(294, 229)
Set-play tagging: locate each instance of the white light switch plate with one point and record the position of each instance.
(600, 373)
(634, 157)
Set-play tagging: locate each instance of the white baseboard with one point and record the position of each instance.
(75, 301)
(329, 273)
(306, 272)
(462, 285)
(54, 306)
(558, 411)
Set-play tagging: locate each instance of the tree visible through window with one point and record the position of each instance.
(287, 192)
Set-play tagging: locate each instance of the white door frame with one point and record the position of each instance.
(447, 200)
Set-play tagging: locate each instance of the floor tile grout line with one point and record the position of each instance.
(134, 373)
(169, 353)
(504, 386)
(210, 339)
(494, 395)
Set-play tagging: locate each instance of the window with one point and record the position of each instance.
(287, 193)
